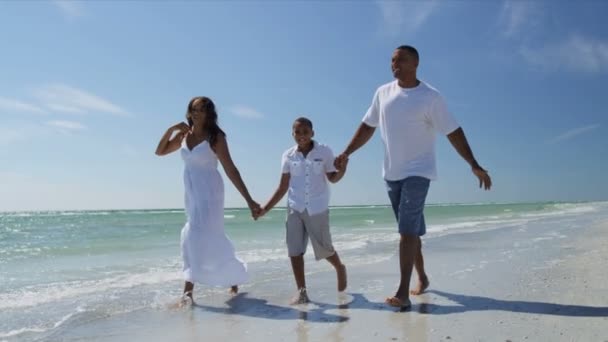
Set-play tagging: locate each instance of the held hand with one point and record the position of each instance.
(344, 164)
(255, 210)
(484, 178)
(262, 212)
(341, 161)
(257, 213)
(338, 161)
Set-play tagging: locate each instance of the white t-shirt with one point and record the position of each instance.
(308, 188)
(409, 118)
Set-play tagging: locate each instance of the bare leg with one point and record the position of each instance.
(234, 289)
(187, 298)
(334, 260)
(408, 249)
(188, 287)
(423, 279)
(297, 265)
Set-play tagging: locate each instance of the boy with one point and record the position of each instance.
(306, 168)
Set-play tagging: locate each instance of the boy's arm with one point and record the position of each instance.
(278, 194)
(335, 176)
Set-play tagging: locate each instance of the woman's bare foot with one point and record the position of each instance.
(233, 290)
(423, 284)
(185, 301)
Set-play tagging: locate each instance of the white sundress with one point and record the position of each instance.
(208, 254)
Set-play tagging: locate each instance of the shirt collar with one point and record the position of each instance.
(294, 150)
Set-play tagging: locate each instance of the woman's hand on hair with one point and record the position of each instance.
(182, 127)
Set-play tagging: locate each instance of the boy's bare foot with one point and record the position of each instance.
(300, 298)
(423, 284)
(342, 280)
(233, 290)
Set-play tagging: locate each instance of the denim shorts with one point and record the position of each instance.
(407, 199)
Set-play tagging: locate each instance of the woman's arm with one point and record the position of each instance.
(223, 154)
(168, 145)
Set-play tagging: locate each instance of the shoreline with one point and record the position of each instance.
(516, 283)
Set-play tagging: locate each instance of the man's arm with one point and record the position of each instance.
(361, 137)
(335, 176)
(460, 143)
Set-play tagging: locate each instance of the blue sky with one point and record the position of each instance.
(89, 87)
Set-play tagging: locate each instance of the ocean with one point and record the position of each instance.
(62, 268)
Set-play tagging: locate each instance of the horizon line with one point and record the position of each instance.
(331, 206)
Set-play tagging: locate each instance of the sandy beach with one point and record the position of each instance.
(539, 282)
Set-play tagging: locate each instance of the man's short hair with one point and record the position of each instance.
(412, 50)
(304, 121)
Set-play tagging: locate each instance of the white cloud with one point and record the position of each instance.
(67, 126)
(246, 112)
(70, 8)
(573, 133)
(519, 15)
(59, 108)
(72, 100)
(405, 17)
(577, 53)
(19, 106)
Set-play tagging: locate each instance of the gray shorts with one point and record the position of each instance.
(301, 226)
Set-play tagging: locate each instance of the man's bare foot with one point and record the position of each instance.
(342, 281)
(233, 290)
(398, 302)
(423, 284)
(300, 298)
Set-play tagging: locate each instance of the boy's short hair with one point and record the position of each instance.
(304, 121)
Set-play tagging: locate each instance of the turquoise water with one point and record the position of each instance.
(55, 265)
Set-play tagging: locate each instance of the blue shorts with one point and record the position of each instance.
(407, 198)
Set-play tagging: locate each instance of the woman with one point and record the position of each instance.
(208, 254)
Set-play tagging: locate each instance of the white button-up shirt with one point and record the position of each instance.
(308, 185)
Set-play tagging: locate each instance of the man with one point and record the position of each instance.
(409, 113)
